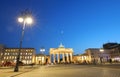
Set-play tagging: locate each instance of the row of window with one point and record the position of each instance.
(13, 50)
(27, 61)
(14, 61)
(100, 56)
(117, 51)
(17, 54)
(21, 57)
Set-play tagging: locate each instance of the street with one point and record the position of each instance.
(73, 71)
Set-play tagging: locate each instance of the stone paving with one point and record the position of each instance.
(72, 71)
(9, 71)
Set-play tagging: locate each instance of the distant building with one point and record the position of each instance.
(97, 55)
(61, 55)
(110, 45)
(114, 51)
(81, 58)
(42, 59)
(110, 51)
(1, 53)
(27, 55)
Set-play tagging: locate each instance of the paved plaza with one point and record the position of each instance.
(70, 71)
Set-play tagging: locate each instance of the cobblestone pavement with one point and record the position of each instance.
(72, 71)
(9, 71)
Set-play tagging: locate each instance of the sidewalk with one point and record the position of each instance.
(9, 72)
(26, 70)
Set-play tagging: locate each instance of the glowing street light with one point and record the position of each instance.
(24, 19)
(42, 50)
(101, 50)
(27, 20)
(20, 19)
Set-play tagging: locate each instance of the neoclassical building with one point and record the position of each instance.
(42, 59)
(61, 55)
(27, 55)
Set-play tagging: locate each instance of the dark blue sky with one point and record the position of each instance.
(78, 24)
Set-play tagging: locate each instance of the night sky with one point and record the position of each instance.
(78, 24)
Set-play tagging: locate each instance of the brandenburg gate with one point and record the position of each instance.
(56, 53)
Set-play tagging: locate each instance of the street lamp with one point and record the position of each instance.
(101, 54)
(24, 19)
(101, 50)
(42, 50)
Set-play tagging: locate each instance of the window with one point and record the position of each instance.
(30, 57)
(4, 57)
(12, 57)
(5, 53)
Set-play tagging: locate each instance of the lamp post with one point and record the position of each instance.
(24, 19)
(101, 54)
(42, 50)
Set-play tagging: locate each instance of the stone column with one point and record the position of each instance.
(50, 58)
(58, 57)
(53, 58)
(63, 57)
(67, 57)
(71, 57)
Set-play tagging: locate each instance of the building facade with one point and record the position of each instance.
(114, 51)
(1, 53)
(61, 55)
(27, 55)
(81, 59)
(42, 59)
(98, 55)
